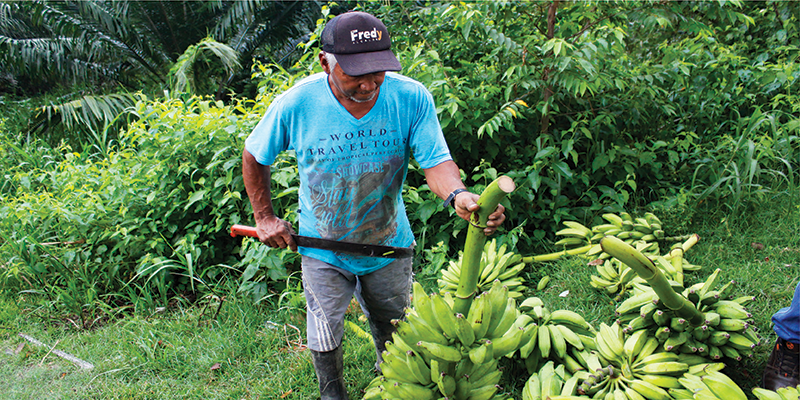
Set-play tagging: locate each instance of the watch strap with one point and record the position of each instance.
(452, 196)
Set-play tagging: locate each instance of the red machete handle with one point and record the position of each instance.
(243, 230)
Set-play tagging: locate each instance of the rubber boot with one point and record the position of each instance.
(381, 332)
(330, 374)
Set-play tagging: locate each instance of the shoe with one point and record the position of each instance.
(330, 373)
(783, 366)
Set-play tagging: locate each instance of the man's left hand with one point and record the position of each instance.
(466, 203)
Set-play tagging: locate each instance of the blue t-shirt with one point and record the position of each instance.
(352, 170)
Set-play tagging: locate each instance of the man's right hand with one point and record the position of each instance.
(275, 232)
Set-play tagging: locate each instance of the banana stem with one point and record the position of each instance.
(691, 240)
(648, 271)
(473, 247)
(556, 255)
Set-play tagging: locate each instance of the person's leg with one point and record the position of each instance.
(783, 365)
(384, 296)
(787, 320)
(328, 292)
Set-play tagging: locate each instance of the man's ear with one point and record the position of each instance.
(324, 63)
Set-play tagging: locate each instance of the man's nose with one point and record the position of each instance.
(368, 83)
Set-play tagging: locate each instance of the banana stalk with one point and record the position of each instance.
(473, 247)
(648, 271)
(556, 255)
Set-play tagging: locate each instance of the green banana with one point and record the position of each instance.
(532, 389)
(507, 343)
(479, 316)
(634, 343)
(480, 354)
(544, 341)
(483, 392)
(419, 369)
(446, 385)
(648, 390)
(397, 369)
(740, 342)
(659, 357)
(732, 324)
(408, 390)
(569, 335)
(731, 309)
(666, 367)
(463, 386)
(711, 318)
(722, 386)
(557, 341)
(571, 319)
(530, 340)
(440, 352)
(578, 226)
(425, 331)
(444, 316)
(543, 283)
(662, 381)
(464, 331)
(491, 378)
(636, 302)
(730, 352)
(505, 321)
(614, 219)
(765, 394)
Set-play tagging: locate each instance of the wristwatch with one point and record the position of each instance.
(449, 200)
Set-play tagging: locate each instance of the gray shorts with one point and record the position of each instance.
(383, 296)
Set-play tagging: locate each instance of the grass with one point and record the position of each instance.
(248, 352)
(254, 351)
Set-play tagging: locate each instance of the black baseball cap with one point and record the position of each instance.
(360, 43)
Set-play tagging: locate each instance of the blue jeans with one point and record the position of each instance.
(787, 320)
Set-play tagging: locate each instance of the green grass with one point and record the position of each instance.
(172, 355)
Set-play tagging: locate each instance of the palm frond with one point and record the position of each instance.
(89, 112)
(181, 73)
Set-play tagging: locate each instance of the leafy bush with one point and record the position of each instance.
(152, 215)
(601, 106)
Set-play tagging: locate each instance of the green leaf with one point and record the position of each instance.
(250, 271)
(426, 209)
(195, 197)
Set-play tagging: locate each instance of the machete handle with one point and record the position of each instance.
(243, 230)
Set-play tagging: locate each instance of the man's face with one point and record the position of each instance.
(360, 89)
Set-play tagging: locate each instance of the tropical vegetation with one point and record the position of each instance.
(121, 144)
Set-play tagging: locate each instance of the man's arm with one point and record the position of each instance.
(444, 178)
(272, 231)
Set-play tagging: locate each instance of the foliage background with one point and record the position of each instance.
(118, 200)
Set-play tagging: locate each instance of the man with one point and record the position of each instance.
(353, 129)
(783, 365)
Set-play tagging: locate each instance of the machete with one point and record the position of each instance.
(371, 250)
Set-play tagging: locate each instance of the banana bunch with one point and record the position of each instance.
(497, 263)
(437, 353)
(727, 331)
(616, 277)
(633, 368)
(784, 393)
(644, 233)
(713, 385)
(636, 231)
(554, 335)
(554, 383)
